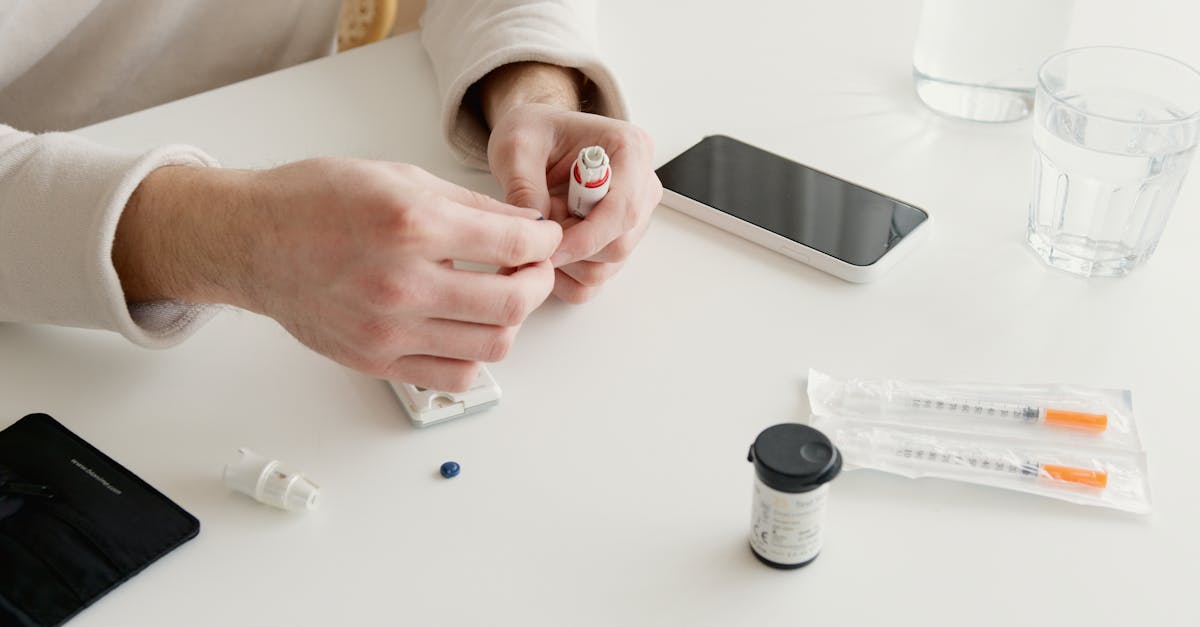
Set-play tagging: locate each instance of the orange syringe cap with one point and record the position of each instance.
(1081, 476)
(1076, 420)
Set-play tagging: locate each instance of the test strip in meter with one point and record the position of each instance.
(426, 407)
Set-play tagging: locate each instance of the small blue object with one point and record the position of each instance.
(450, 469)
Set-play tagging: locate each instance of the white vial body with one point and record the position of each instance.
(787, 527)
(590, 179)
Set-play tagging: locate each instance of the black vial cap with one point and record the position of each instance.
(792, 457)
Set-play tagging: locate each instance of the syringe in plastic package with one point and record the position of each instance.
(1029, 413)
(1026, 469)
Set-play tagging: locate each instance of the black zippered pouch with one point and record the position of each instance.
(74, 524)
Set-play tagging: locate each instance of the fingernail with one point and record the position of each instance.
(541, 217)
(559, 258)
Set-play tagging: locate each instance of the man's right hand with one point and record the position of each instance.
(352, 257)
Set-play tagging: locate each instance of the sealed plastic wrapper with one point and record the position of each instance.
(1066, 413)
(1105, 477)
(1072, 443)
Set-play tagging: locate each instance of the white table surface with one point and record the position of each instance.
(610, 487)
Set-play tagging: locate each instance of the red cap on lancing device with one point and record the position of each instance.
(592, 184)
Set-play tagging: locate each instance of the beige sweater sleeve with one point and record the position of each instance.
(61, 196)
(60, 200)
(466, 39)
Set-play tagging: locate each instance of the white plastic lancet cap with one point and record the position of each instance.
(593, 157)
(244, 474)
(266, 482)
(301, 494)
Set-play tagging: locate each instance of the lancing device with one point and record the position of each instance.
(590, 177)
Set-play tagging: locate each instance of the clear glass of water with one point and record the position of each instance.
(978, 59)
(1114, 132)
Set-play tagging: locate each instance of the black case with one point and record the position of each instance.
(74, 524)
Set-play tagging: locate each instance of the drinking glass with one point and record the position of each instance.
(978, 59)
(1114, 132)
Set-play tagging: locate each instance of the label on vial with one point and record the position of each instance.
(785, 527)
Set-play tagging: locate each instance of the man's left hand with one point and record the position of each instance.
(531, 150)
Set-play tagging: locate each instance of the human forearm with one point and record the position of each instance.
(515, 84)
(350, 256)
(179, 237)
(61, 198)
(469, 39)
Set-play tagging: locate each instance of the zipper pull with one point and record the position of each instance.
(16, 488)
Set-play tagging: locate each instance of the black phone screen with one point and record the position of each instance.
(823, 212)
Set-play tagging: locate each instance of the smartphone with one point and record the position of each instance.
(831, 224)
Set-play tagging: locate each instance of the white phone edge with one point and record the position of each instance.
(793, 249)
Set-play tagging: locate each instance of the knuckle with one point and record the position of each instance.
(644, 139)
(376, 336)
(505, 142)
(546, 283)
(596, 274)
(390, 294)
(576, 294)
(519, 142)
(499, 344)
(629, 135)
(521, 191)
(599, 241)
(399, 220)
(590, 278)
(369, 334)
(620, 249)
(514, 309)
(459, 377)
(631, 219)
(477, 199)
(377, 367)
(408, 170)
(513, 247)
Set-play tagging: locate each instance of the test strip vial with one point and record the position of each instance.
(793, 465)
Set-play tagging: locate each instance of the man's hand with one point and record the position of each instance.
(537, 131)
(352, 257)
